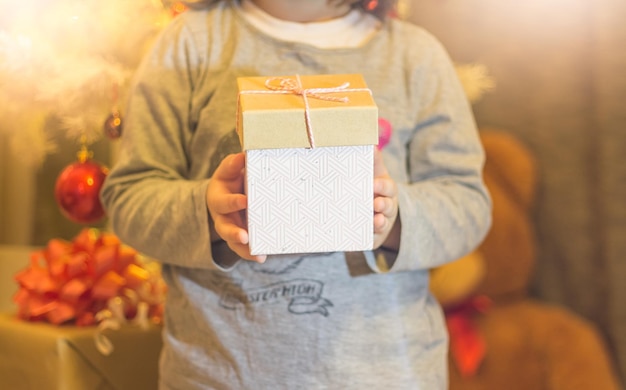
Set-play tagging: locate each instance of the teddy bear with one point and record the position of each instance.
(501, 337)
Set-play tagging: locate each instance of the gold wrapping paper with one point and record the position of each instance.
(42, 356)
(273, 119)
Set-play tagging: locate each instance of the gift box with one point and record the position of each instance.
(88, 316)
(43, 356)
(309, 144)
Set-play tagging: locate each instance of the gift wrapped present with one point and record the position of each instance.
(87, 280)
(88, 317)
(309, 144)
(42, 356)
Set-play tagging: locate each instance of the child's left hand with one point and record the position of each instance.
(386, 221)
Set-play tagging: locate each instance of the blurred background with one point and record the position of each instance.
(560, 73)
(560, 70)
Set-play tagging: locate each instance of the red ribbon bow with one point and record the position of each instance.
(71, 282)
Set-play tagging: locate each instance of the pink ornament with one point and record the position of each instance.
(384, 133)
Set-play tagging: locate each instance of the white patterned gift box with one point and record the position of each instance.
(309, 144)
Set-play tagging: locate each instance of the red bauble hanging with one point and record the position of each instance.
(77, 190)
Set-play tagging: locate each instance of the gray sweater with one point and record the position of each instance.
(320, 321)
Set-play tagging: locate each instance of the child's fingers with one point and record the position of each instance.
(228, 204)
(242, 249)
(379, 166)
(380, 223)
(230, 229)
(384, 206)
(385, 186)
(230, 168)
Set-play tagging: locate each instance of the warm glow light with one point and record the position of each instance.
(24, 41)
(62, 57)
(179, 7)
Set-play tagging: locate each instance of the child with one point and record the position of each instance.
(304, 321)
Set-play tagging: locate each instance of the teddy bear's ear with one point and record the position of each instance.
(511, 164)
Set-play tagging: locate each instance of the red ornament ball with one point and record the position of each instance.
(77, 191)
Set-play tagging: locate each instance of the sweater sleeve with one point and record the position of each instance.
(152, 204)
(444, 206)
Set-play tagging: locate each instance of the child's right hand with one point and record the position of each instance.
(227, 204)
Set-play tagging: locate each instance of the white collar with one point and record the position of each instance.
(351, 30)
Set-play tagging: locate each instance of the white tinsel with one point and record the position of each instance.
(71, 60)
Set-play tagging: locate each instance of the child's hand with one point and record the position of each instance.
(227, 204)
(386, 221)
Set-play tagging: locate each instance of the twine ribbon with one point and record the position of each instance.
(114, 316)
(288, 86)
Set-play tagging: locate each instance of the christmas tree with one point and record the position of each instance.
(65, 66)
(70, 59)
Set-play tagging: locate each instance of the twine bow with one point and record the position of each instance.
(283, 85)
